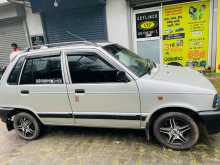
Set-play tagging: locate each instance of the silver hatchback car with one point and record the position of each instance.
(106, 85)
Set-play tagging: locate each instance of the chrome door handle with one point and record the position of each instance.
(80, 91)
(25, 92)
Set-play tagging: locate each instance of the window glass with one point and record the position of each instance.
(90, 68)
(45, 70)
(132, 61)
(15, 74)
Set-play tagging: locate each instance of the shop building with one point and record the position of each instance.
(173, 32)
(12, 29)
(86, 19)
(18, 25)
(179, 33)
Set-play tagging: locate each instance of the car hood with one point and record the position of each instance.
(184, 77)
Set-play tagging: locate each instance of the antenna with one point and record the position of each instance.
(78, 37)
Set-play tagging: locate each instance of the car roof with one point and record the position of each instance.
(63, 45)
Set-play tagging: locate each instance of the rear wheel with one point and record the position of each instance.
(26, 126)
(176, 130)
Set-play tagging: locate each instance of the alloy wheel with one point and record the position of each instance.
(26, 127)
(176, 130)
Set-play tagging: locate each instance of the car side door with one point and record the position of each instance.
(42, 89)
(98, 95)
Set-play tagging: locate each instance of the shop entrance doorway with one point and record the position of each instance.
(147, 33)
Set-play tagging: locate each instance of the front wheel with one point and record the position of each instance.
(176, 130)
(26, 126)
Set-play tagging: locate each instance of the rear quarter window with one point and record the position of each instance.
(43, 70)
(16, 71)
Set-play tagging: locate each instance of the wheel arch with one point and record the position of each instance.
(193, 114)
(19, 110)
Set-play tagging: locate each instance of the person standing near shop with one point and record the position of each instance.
(15, 51)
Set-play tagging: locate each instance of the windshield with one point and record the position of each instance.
(135, 63)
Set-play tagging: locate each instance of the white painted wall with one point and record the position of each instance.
(118, 23)
(8, 11)
(33, 22)
(3, 1)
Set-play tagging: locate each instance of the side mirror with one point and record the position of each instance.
(122, 77)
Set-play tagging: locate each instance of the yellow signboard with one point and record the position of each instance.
(186, 34)
(218, 45)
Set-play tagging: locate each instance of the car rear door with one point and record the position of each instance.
(97, 98)
(42, 88)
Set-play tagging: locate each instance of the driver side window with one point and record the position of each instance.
(90, 68)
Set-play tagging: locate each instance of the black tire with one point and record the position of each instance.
(27, 126)
(176, 130)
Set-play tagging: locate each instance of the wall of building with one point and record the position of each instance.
(33, 22)
(213, 34)
(218, 42)
(12, 29)
(3, 1)
(8, 11)
(118, 22)
(188, 54)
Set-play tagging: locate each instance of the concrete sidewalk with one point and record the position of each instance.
(84, 146)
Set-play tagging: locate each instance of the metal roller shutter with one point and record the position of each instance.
(11, 30)
(88, 23)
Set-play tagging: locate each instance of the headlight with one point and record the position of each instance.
(216, 102)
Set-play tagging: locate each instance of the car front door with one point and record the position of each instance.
(97, 96)
(42, 89)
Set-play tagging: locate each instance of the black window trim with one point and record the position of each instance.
(86, 52)
(19, 79)
(36, 57)
(13, 67)
(42, 56)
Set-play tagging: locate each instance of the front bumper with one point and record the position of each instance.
(211, 120)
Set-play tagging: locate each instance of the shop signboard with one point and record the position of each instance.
(218, 45)
(186, 34)
(147, 24)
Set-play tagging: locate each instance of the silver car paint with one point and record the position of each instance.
(179, 87)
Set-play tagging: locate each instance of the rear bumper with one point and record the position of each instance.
(5, 117)
(211, 120)
(4, 113)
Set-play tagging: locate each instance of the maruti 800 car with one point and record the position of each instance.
(106, 85)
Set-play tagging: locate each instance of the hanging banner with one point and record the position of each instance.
(186, 34)
(218, 45)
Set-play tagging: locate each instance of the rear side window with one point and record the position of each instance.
(15, 74)
(43, 70)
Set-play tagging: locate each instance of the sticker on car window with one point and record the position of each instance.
(49, 81)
